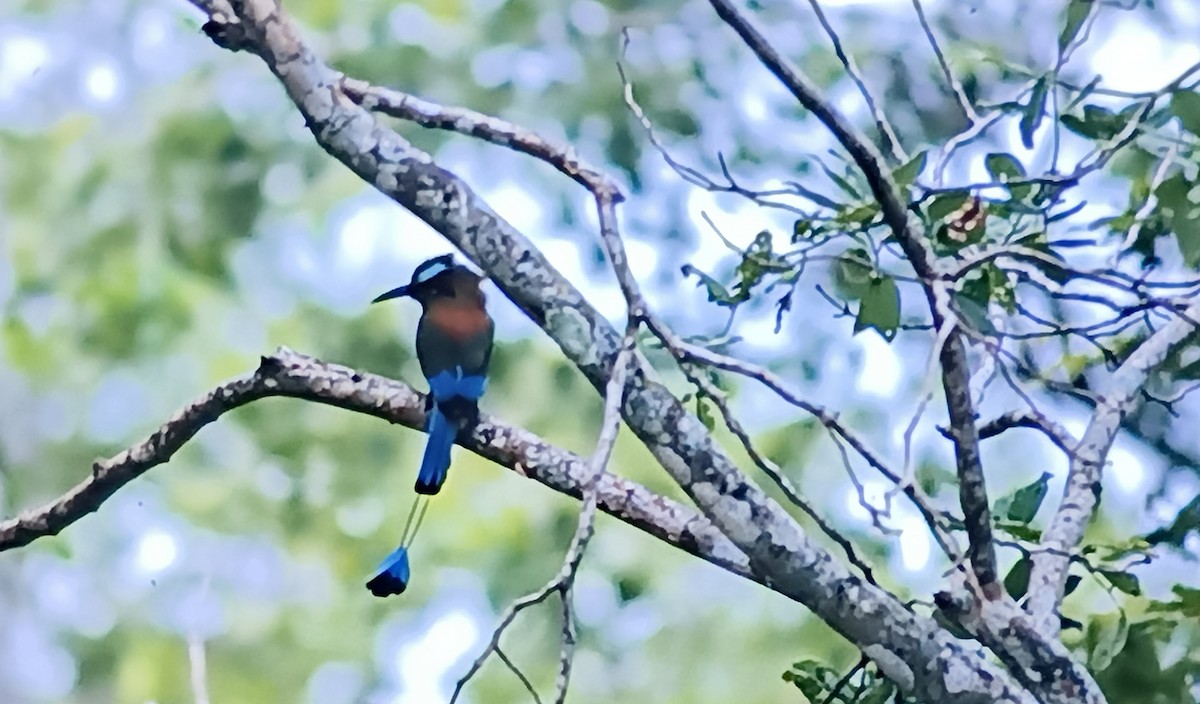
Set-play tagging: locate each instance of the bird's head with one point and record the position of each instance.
(439, 277)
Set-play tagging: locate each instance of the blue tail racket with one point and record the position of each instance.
(454, 347)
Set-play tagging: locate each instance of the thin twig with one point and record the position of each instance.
(764, 198)
(1057, 434)
(1148, 206)
(520, 675)
(773, 471)
(198, 666)
(955, 86)
(563, 583)
(891, 142)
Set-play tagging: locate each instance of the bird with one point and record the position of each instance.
(454, 349)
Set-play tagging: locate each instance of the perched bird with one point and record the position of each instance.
(454, 346)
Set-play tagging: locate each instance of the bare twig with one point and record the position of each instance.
(890, 141)
(520, 675)
(764, 198)
(472, 124)
(510, 614)
(613, 399)
(1057, 434)
(563, 583)
(774, 471)
(955, 86)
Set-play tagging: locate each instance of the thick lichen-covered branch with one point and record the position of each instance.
(1082, 491)
(290, 374)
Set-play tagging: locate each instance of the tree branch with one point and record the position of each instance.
(290, 374)
(953, 355)
(1036, 659)
(1082, 490)
(1057, 434)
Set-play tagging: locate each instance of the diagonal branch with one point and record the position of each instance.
(1081, 493)
(955, 86)
(953, 354)
(1056, 433)
(406, 106)
(290, 374)
(886, 133)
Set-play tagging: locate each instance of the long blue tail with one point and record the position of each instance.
(392, 577)
(436, 461)
(452, 389)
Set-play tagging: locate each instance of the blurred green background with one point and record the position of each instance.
(165, 219)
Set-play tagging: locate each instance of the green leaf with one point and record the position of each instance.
(860, 215)
(879, 692)
(1176, 201)
(1106, 637)
(1123, 581)
(1016, 582)
(1020, 531)
(705, 415)
(933, 477)
(812, 678)
(852, 274)
(880, 308)
(1022, 505)
(981, 286)
(1004, 167)
(906, 174)
(1186, 521)
(1077, 13)
(1185, 104)
(1097, 122)
(1186, 603)
(1111, 552)
(717, 293)
(945, 204)
(1034, 111)
(800, 229)
(842, 183)
(975, 313)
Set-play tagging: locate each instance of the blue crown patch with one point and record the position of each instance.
(432, 267)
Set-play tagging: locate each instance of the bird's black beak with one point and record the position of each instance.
(399, 292)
